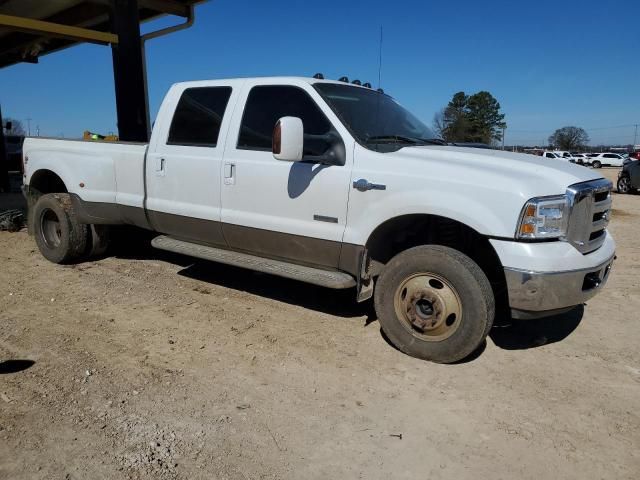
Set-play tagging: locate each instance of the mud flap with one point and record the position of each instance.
(365, 282)
(32, 198)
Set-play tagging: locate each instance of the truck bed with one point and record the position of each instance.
(105, 172)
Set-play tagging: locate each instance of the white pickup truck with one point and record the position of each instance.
(337, 185)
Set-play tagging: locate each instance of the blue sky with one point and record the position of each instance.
(549, 63)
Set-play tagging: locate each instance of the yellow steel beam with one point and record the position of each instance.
(40, 27)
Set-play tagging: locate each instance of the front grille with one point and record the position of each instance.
(590, 209)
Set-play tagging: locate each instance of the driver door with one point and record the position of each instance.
(294, 211)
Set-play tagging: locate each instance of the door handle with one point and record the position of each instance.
(363, 185)
(229, 173)
(160, 167)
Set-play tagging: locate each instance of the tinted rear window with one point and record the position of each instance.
(198, 116)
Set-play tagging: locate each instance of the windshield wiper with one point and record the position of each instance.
(434, 141)
(392, 138)
(403, 139)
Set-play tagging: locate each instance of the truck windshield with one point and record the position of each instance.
(376, 120)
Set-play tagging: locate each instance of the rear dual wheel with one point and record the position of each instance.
(60, 237)
(434, 303)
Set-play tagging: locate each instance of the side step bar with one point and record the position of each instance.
(316, 276)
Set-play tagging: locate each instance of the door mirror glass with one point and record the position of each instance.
(288, 139)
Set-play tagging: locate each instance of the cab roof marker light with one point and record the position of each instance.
(318, 76)
(380, 90)
(357, 82)
(344, 79)
(366, 84)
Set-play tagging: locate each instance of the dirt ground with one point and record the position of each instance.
(145, 365)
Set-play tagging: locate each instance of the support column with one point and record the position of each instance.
(128, 72)
(4, 161)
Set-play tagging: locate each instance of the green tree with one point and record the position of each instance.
(455, 122)
(471, 118)
(569, 138)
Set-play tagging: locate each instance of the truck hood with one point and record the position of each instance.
(483, 189)
(528, 175)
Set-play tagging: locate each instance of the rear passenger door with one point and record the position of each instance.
(184, 163)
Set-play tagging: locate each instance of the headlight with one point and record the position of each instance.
(544, 217)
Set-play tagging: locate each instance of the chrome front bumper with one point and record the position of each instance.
(539, 294)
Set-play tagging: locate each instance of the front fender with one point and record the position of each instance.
(384, 206)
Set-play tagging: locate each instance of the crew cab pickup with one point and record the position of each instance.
(337, 185)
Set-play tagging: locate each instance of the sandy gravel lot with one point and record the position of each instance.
(152, 366)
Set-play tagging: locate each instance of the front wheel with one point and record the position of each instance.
(624, 184)
(596, 164)
(434, 303)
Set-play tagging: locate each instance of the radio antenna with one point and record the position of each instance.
(379, 92)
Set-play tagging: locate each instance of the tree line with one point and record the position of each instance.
(477, 118)
(471, 118)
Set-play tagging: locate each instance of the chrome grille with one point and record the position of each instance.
(590, 210)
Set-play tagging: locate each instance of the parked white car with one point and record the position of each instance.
(337, 185)
(566, 155)
(555, 156)
(580, 158)
(597, 160)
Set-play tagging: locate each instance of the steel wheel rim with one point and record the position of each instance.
(50, 228)
(623, 185)
(428, 307)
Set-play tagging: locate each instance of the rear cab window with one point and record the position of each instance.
(198, 116)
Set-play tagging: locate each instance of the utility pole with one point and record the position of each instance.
(635, 136)
(29, 126)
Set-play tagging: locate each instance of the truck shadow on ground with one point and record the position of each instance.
(134, 245)
(340, 303)
(506, 333)
(524, 334)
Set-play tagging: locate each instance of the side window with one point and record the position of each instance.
(549, 155)
(610, 155)
(198, 116)
(267, 104)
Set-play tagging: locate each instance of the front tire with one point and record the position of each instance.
(596, 164)
(434, 303)
(58, 234)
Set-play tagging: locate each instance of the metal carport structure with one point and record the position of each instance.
(30, 29)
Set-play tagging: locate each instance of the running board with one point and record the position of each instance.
(316, 276)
